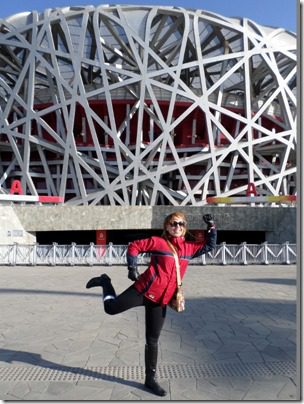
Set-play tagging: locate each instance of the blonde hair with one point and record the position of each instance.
(174, 216)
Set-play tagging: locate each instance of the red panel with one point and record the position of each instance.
(50, 199)
(101, 237)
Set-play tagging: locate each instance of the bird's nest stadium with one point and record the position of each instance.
(145, 105)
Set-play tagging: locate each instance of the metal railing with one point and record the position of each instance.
(73, 254)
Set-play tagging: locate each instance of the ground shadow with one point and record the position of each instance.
(49, 292)
(278, 281)
(35, 359)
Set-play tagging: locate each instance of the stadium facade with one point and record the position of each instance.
(129, 106)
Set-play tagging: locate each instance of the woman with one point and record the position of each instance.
(155, 287)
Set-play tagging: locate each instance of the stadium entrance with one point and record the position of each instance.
(123, 237)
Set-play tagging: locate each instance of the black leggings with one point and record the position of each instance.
(155, 313)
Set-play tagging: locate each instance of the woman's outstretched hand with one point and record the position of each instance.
(209, 220)
(133, 274)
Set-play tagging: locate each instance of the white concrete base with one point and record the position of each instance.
(11, 229)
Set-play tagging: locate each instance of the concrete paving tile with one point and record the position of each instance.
(171, 326)
(9, 396)
(59, 344)
(171, 357)
(189, 348)
(250, 356)
(79, 344)
(89, 327)
(100, 358)
(227, 356)
(259, 342)
(115, 361)
(125, 393)
(50, 358)
(102, 346)
(34, 347)
(281, 323)
(189, 395)
(21, 389)
(283, 332)
(100, 389)
(232, 392)
(170, 340)
(211, 349)
(264, 390)
(290, 350)
(129, 331)
(129, 356)
(223, 334)
(186, 337)
(87, 393)
(241, 331)
(110, 333)
(36, 390)
(206, 335)
(211, 341)
(216, 325)
(277, 336)
(291, 354)
(269, 358)
(237, 315)
(58, 388)
(289, 391)
(236, 345)
(180, 388)
(233, 360)
(13, 390)
(292, 338)
(131, 343)
(74, 359)
(197, 355)
(259, 329)
(144, 394)
(217, 389)
(280, 341)
(271, 352)
(241, 384)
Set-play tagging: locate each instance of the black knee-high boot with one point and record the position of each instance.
(151, 351)
(105, 282)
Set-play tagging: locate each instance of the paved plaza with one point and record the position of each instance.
(235, 341)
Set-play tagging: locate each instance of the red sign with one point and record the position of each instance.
(251, 189)
(101, 237)
(16, 188)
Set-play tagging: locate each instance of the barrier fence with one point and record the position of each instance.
(110, 254)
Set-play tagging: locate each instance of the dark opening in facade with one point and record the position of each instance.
(123, 237)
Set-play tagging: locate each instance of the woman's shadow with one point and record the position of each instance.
(35, 359)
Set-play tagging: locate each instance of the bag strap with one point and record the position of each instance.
(177, 266)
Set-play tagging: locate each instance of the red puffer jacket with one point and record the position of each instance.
(158, 282)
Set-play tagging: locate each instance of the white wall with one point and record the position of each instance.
(11, 229)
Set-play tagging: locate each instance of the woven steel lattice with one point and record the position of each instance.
(140, 105)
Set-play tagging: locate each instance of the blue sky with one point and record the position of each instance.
(277, 13)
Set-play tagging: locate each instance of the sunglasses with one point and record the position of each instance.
(175, 224)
